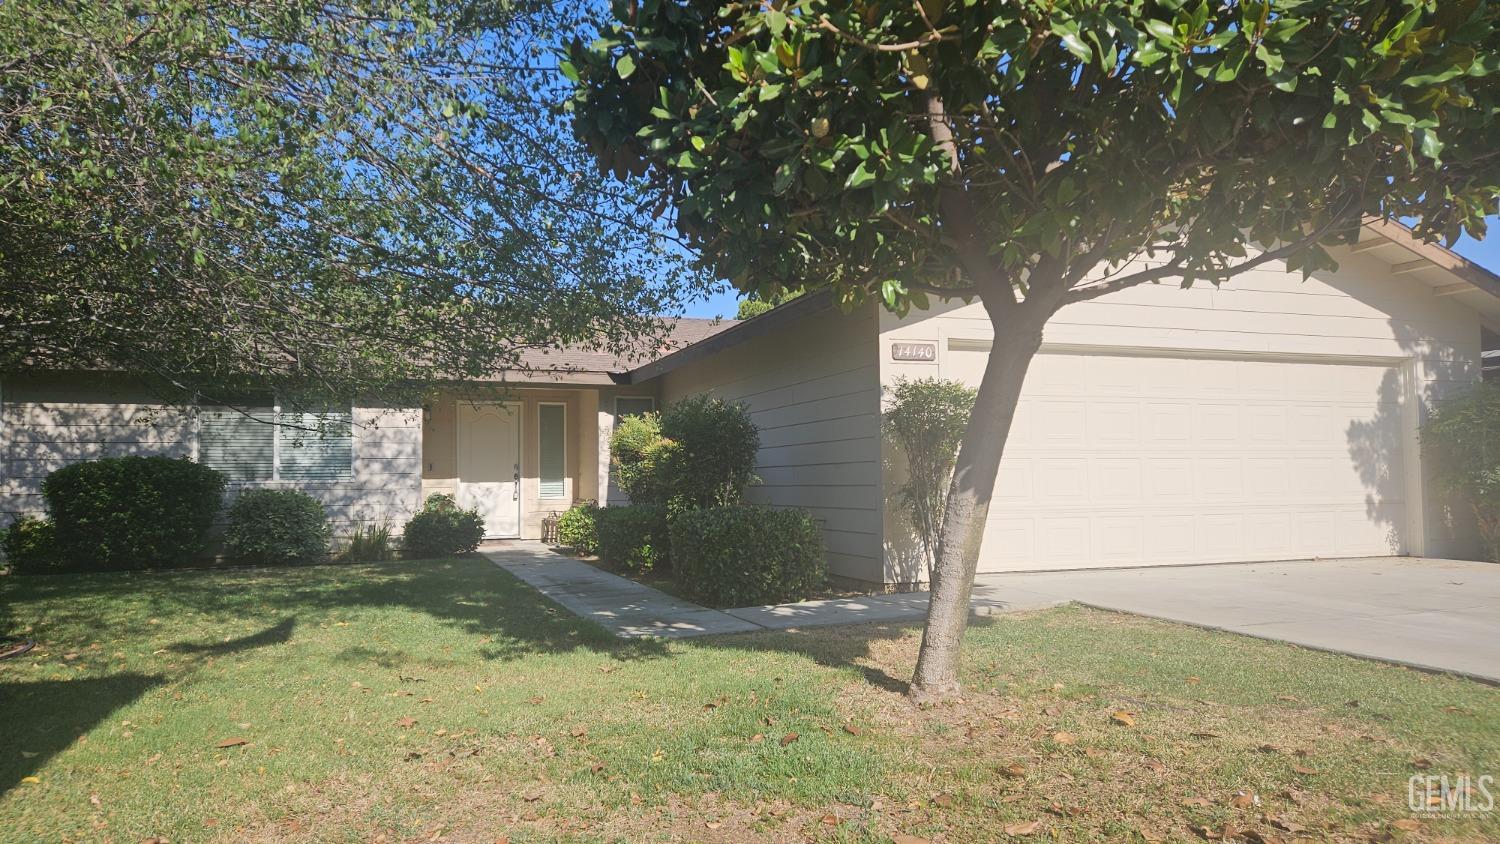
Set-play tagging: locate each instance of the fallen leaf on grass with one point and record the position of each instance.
(233, 742)
(1155, 765)
(1287, 698)
(789, 738)
(1123, 718)
(1407, 824)
(757, 738)
(1243, 800)
(831, 820)
(945, 800)
(1023, 828)
(31, 780)
(535, 700)
(1421, 764)
(579, 732)
(1194, 680)
(1064, 738)
(853, 730)
(903, 838)
(1304, 770)
(1197, 801)
(598, 766)
(406, 722)
(1014, 770)
(713, 824)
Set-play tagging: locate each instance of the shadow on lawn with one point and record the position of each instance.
(468, 594)
(42, 718)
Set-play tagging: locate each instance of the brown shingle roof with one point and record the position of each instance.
(582, 365)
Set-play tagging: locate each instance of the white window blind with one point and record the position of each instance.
(239, 443)
(552, 434)
(247, 444)
(315, 446)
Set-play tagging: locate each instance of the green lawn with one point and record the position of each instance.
(446, 701)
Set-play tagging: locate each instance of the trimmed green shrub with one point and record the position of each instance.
(747, 556)
(276, 527)
(441, 529)
(1462, 443)
(634, 538)
(578, 528)
(635, 451)
(709, 459)
(30, 546)
(124, 513)
(369, 544)
(925, 419)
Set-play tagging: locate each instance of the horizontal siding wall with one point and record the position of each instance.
(1362, 310)
(813, 391)
(49, 421)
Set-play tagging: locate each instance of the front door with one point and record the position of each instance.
(489, 465)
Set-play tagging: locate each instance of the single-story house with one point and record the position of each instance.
(1272, 418)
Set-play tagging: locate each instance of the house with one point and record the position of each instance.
(1273, 418)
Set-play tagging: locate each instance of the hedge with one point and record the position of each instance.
(634, 538)
(747, 556)
(123, 513)
(441, 529)
(276, 527)
(578, 528)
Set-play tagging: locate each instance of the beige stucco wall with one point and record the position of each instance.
(1362, 311)
(813, 390)
(47, 421)
(440, 466)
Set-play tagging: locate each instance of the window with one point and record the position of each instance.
(633, 406)
(552, 426)
(238, 442)
(244, 444)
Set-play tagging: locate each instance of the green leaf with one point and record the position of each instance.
(625, 66)
(860, 177)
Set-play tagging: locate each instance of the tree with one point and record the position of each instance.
(752, 305)
(1037, 153)
(925, 418)
(347, 197)
(1462, 439)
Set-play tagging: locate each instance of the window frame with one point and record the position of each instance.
(541, 495)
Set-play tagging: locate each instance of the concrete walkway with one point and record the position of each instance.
(1441, 615)
(623, 607)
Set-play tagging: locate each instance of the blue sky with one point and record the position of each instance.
(1486, 253)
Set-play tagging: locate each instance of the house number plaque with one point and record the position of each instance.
(924, 352)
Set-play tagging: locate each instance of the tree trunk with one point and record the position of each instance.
(1017, 339)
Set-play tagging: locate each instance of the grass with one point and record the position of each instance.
(447, 701)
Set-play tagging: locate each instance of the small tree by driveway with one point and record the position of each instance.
(1035, 154)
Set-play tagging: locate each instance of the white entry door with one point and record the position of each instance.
(1119, 459)
(489, 465)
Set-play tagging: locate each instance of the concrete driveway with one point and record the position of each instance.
(1429, 613)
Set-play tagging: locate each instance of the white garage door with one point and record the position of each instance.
(1122, 459)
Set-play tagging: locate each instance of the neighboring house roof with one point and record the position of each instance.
(579, 365)
(1435, 264)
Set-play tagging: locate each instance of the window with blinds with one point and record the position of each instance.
(266, 443)
(552, 423)
(315, 446)
(241, 443)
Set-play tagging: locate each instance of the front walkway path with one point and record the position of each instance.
(632, 610)
(623, 607)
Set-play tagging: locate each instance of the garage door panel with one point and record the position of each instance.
(1141, 460)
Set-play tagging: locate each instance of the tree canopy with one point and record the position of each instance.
(796, 140)
(319, 197)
